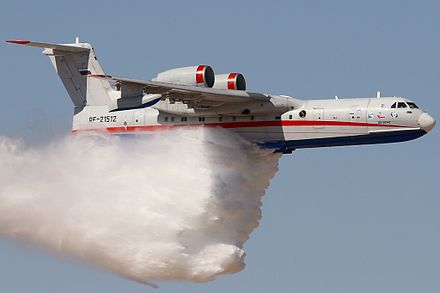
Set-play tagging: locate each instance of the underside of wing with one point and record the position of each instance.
(190, 95)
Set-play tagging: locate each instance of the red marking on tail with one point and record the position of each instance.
(20, 42)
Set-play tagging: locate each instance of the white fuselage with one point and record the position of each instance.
(195, 97)
(311, 123)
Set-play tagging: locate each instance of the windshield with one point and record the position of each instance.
(412, 105)
(401, 105)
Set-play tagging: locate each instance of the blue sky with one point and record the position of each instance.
(350, 219)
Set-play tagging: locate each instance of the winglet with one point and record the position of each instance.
(20, 42)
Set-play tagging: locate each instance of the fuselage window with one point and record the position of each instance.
(252, 117)
(412, 105)
(394, 105)
(290, 117)
(201, 119)
(233, 118)
(172, 119)
(166, 119)
(401, 105)
(220, 119)
(184, 119)
(277, 117)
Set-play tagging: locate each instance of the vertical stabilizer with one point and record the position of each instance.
(73, 63)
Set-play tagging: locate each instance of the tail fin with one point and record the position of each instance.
(73, 63)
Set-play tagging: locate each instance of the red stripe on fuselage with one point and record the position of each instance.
(240, 124)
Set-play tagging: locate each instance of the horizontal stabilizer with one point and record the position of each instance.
(67, 48)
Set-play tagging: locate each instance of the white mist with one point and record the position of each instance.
(176, 205)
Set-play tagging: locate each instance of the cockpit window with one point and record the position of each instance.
(401, 105)
(394, 105)
(412, 105)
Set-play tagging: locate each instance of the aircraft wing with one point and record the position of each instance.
(191, 95)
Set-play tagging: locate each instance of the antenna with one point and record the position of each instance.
(336, 97)
(77, 40)
(378, 94)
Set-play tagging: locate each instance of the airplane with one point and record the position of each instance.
(196, 97)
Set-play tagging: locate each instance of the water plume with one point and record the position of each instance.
(175, 205)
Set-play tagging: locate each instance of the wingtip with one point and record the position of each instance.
(20, 42)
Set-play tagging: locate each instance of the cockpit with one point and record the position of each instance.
(401, 105)
(409, 113)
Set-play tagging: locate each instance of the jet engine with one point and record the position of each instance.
(230, 81)
(201, 75)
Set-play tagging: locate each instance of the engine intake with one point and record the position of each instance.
(201, 75)
(230, 81)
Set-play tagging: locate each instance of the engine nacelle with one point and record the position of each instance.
(231, 81)
(201, 75)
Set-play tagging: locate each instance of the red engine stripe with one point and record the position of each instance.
(232, 82)
(200, 77)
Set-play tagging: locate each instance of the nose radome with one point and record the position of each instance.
(426, 122)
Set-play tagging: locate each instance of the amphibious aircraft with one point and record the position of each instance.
(195, 96)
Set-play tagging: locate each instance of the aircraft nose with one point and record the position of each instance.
(426, 122)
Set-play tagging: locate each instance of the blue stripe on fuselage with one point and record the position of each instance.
(141, 106)
(288, 146)
(373, 138)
